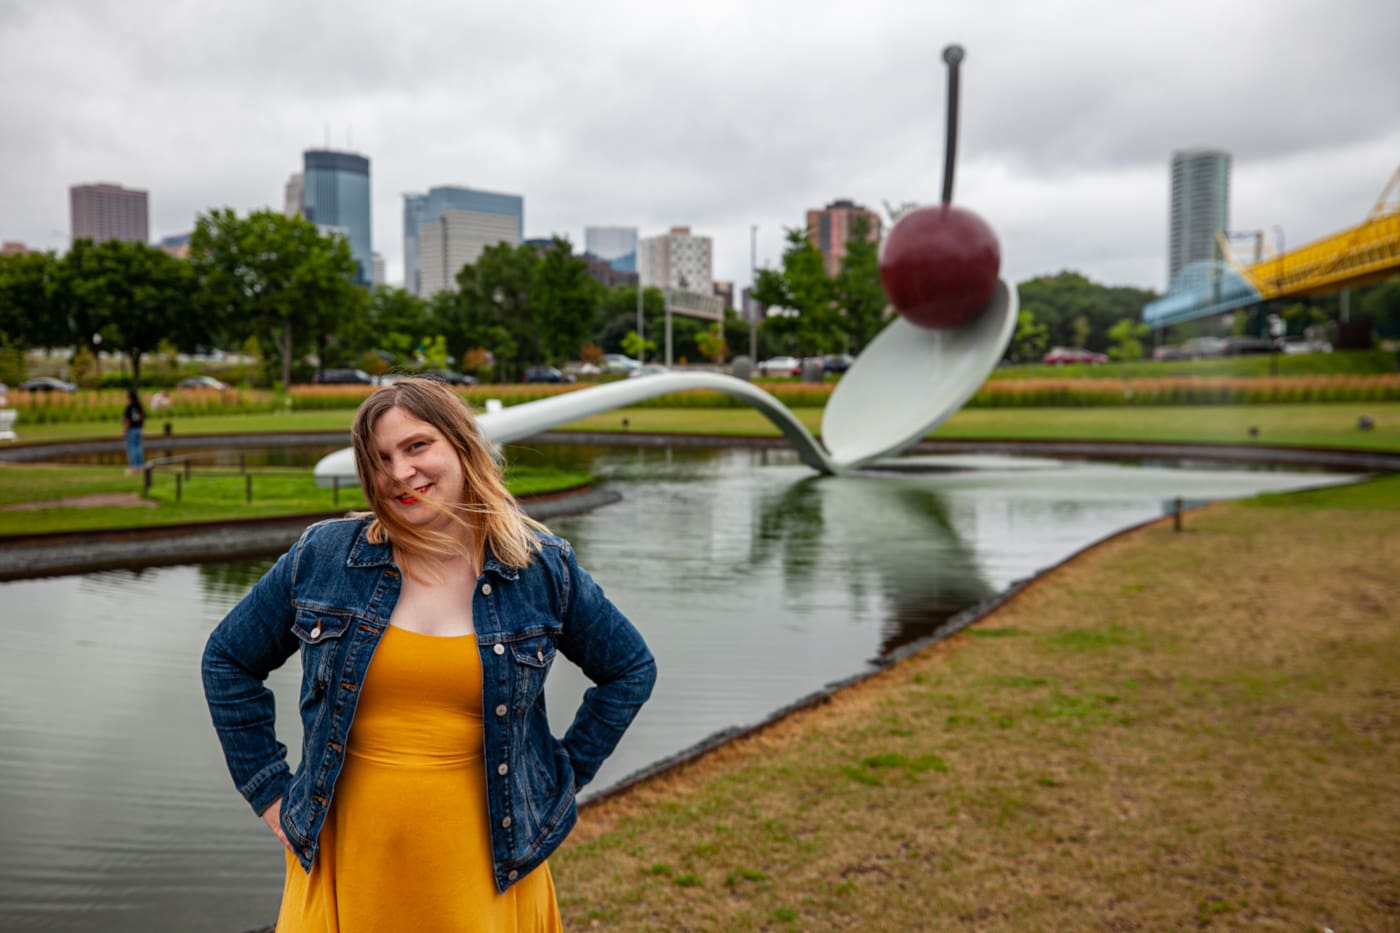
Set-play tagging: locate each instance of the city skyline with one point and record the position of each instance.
(1069, 116)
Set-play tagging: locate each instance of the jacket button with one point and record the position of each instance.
(501, 710)
(503, 769)
(485, 589)
(512, 876)
(505, 823)
(499, 649)
(316, 632)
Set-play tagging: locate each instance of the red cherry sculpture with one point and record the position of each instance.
(939, 266)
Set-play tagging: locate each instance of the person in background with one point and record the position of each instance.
(430, 790)
(133, 421)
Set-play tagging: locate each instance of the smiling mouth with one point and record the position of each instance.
(411, 498)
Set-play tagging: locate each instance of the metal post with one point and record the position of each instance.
(752, 307)
(248, 488)
(335, 490)
(179, 487)
(1176, 514)
(668, 327)
(641, 319)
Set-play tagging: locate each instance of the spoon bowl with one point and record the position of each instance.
(911, 379)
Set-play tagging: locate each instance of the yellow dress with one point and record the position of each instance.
(406, 845)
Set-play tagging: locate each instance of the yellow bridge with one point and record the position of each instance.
(1365, 253)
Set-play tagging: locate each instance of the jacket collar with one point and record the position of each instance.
(363, 553)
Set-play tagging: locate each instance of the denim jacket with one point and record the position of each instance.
(330, 598)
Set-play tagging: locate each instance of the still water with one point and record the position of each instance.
(754, 582)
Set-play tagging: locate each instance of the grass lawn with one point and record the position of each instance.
(1139, 742)
(203, 497)
(1332, 425)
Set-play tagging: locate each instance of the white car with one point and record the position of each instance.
(780, 366)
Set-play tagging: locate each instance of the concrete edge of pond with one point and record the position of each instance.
(62, 553)
(963, 620)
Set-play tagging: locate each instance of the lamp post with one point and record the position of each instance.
(753, 303)
(1278, 267)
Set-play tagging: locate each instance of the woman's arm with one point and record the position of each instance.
(252, 641)
(610, 651)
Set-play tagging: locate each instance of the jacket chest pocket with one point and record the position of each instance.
(532, 657)
(322, 637)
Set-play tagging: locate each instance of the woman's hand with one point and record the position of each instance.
(272, 816)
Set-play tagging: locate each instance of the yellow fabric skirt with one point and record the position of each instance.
(406, 844)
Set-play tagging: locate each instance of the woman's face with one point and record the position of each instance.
(420, 464)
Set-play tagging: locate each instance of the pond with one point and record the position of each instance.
(754, 581)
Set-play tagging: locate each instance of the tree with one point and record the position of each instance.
(134, 296)
(1030, 340)
(564, 302)
(1127, 336)
(33, 309)
(1078, 312)
(637, 347)
(273, 275)
(712, 346)
(859, 293)
(803, 288)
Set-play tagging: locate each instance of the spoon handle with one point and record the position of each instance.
(953, 56)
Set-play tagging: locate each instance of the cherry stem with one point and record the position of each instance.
(953, 56)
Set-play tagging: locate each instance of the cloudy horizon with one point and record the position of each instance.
(716, 116)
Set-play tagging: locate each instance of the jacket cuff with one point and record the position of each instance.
(266, 786)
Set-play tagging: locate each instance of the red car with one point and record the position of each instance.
(1064, 356)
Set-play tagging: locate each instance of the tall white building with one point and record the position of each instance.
(291, 197)
(1200, 206)
(458, 238)
(678, 259)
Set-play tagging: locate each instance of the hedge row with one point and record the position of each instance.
(107, 405)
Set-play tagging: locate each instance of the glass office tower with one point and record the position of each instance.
(335, 197)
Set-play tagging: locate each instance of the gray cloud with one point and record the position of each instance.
(717, 115)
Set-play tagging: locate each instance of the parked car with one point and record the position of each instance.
(1296, 345)
(618, 363)
(451, 378)
(546, 374)
(1066, 356)
(341, 377)
(1200, 348)
(837, 362)
(47, 384)
(780, 366)
(1168, 352)
(580, 368)
(202, 382)
(648, 369)
(1243, 346)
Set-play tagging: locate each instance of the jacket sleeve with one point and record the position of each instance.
(252, 641)
(610, 651)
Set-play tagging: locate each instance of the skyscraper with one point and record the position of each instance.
(1200, 206)
(830, 228)
(677, 259)
(617, 245)
(457, 238)
(498, 215)
(109, 212)
(335, 197)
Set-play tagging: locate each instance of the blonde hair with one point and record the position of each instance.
(489, 514)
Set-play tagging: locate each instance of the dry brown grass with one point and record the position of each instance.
(1175, 731)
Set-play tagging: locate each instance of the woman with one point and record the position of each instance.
(133, 420)
(430, 789)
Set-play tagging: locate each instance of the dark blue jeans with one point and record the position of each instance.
(134, 455)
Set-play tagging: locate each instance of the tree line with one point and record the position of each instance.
(276, 288)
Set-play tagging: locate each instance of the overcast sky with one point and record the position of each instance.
(716, 115)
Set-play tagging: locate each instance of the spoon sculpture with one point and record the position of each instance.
(939, 265)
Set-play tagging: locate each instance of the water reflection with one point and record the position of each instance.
(754, 582)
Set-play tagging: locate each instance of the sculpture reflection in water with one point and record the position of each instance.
(893, 537)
